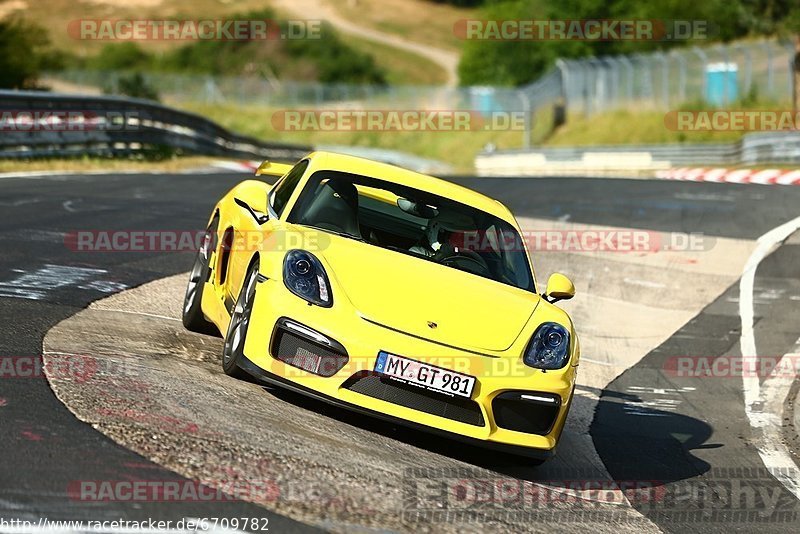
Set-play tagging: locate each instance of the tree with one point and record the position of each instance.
(23, 51)
(504, 62)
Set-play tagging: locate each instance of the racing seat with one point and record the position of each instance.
(335, 207)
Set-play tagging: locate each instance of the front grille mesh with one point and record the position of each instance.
(457, 409)
(304, 354)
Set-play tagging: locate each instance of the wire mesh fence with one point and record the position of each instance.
(176, 88)
(722, 75)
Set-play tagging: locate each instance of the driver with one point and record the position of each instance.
(436, 240)
(433, 239)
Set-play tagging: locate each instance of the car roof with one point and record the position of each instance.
(321, 160)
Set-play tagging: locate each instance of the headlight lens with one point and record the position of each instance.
(305, 276)
(549, 347)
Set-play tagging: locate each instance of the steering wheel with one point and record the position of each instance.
(467, 260)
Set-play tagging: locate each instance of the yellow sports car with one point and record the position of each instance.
(390, 292)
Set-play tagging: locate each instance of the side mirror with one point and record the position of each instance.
(559, 287)
(259, 212)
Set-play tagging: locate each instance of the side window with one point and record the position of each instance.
(283, 191)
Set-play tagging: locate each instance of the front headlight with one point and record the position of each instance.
(549, 347)
(305, 276)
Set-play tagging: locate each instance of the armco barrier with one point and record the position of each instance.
(758, 148)
(118, 126)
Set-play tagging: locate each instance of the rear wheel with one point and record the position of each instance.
(193, 318)
(233, 349)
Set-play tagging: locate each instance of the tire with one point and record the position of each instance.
(193, 318)
(233, 348)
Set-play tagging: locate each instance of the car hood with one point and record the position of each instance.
(405, 293)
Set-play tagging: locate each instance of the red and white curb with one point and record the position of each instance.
(248, 167)
(733, 176)
(689, 174)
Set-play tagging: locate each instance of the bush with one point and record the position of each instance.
(510, 62)
(327, 59)
(122, 56)
(133, 85)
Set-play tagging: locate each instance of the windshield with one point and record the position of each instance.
(414, 222)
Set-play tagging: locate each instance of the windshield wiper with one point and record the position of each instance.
(341, 234)
(349, 236)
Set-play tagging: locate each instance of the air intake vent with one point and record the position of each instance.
(526, 411)
(302, 353)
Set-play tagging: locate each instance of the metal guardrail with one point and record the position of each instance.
(758, 148)
(39, 124)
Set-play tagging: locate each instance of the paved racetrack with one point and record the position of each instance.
(172, 414)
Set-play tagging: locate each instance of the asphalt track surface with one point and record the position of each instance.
(45, 448)
(702, 440)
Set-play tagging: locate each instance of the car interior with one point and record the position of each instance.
(416, 223)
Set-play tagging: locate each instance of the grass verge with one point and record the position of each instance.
(457, 148)
(105, 164)
(626, 127)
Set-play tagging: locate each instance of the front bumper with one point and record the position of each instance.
(512, 407)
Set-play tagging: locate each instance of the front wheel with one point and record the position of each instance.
(233, 349)
(193, 318)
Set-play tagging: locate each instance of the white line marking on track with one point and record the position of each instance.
(683, 195)
(9, 505)
(598, 362)
(139, 313)
(36, 285)
(21, 202)
(644, 283)
(773, 453)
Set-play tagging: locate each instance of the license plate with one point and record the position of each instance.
(424, 375)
